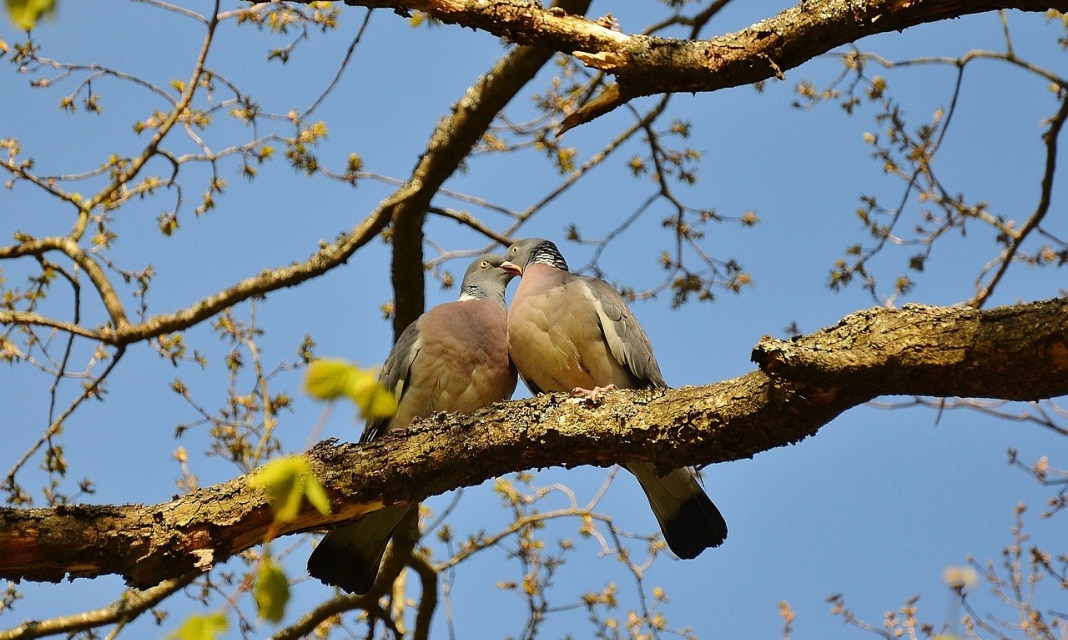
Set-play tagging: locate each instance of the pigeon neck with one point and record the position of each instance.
(550, 255)
(474, 292)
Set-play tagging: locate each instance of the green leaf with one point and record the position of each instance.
(287, 481)
(26, 13)
(330, 379)
(271, 592)
(201, 627)
(316, 494)
(374, 400)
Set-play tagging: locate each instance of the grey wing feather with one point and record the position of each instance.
(395, 375)
(625, 337)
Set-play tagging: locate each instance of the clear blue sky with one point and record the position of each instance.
(875, 506)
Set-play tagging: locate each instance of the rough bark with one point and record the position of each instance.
(1018, 353)
(648, 65)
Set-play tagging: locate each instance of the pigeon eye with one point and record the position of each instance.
(485, 264)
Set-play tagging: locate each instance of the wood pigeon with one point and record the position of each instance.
(567, 331)
(452, 358)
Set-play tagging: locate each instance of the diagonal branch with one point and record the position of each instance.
(649, 65)
(1017, 353)
(131, 604)
(329, 256)
(1045, 199)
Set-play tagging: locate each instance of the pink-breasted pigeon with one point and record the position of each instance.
(566, 332)
(452, 358)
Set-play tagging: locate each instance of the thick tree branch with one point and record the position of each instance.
(1011, 353)
(1018, 353)
(648, 65)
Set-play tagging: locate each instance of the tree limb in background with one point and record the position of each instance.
(1017, 237)
(130, 605)
(648, 65)
(1018, 353)
(930, 208)
(121, 330)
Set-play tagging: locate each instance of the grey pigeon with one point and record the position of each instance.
(452, 358)
(567, 331)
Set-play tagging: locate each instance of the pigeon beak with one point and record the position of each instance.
(512, 268)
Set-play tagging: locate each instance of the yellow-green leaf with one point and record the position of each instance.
(271, 592)
(372, 398)
(201, 627)
(26, 13)
(316, 494)
(330, 379)
(287, 481)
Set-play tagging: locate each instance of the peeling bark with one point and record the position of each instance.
(1017, 353)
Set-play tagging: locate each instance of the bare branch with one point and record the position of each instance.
(327, 257)
(131, 171)
(130, 605)
(465, 218)
(1045, 199)
(309, 621)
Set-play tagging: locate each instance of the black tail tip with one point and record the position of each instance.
(350, 574)
(697, 526)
